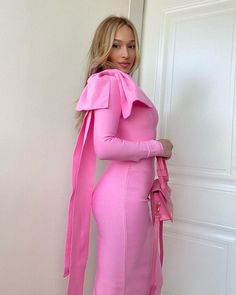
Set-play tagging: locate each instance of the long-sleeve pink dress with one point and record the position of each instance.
(124, 123)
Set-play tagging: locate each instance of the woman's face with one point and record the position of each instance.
(123, 50)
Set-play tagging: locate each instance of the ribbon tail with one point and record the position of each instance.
(83, 174)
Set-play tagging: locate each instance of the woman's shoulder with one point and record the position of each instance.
(96, 93)
(100, 85)
(107, 75)
(101, 79)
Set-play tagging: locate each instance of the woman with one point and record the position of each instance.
(119, 125)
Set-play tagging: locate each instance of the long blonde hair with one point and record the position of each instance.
(101, 47)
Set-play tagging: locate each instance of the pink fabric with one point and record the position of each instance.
(120, 126)
(158, 234)
(76, 250)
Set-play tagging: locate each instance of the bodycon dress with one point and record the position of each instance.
(119, 202)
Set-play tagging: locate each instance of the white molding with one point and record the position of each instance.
(209, 236)
(193, 4)
(199, 226)
(202, 183)
(135, 14)
(229, 173)
(233, 93)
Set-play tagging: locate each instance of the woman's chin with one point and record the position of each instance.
(123, 69)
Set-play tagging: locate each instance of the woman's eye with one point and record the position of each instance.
(132, 46)
(115, 46)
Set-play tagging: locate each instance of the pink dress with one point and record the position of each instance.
(124, 125)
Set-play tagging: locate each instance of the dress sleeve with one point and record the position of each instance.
(106, 143)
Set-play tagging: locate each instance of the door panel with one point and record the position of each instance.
(188, 70)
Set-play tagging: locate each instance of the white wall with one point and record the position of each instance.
(42, 53)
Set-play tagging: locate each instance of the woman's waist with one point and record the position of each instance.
(143, 168)
(147, 163)
(130, 174)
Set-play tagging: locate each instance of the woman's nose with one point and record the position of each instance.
(125, 52)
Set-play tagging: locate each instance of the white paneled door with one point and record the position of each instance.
(188, 70)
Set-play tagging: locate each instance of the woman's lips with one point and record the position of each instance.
(125, 64)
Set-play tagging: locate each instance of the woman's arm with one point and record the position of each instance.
(108, 146)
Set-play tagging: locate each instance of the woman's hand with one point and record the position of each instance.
(167, 146)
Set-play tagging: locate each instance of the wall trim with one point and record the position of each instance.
(136, 14)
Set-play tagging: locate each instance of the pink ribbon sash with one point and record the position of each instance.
(83, 175)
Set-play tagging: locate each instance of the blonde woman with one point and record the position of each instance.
(117, 123)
